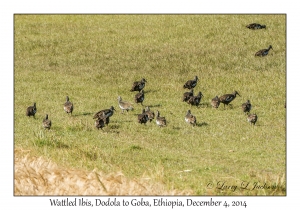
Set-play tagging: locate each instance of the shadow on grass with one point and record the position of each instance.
(150, 91)
(227, 107)
(114, 131)
(110, 129)
(82, 114)
(201, 124)
(114, 126)
(258, 125)
(176, 128)
(156, 105)
(126, 121)
(135, 147)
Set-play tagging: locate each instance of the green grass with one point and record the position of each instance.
(95, 58)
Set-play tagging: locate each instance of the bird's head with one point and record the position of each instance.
(236, 93)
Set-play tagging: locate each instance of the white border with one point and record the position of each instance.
(9, 8)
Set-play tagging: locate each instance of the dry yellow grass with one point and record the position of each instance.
(39, 176)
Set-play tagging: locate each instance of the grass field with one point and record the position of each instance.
(95, 58)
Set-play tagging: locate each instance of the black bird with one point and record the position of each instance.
(150, 114)
(255, 26)
(195, 100)
(215, 102)
(138, 85)
(187, 95)
(189, 118)
(31, 110)
(124, 105)
(252, 118)
(263, 52)
(227, 98)
(105, 114)
(143, 118)
(46, 122)
(139, 97)
(101, 121)
(160, 121)
(68, 106)
(191, 83)
(246, 107)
